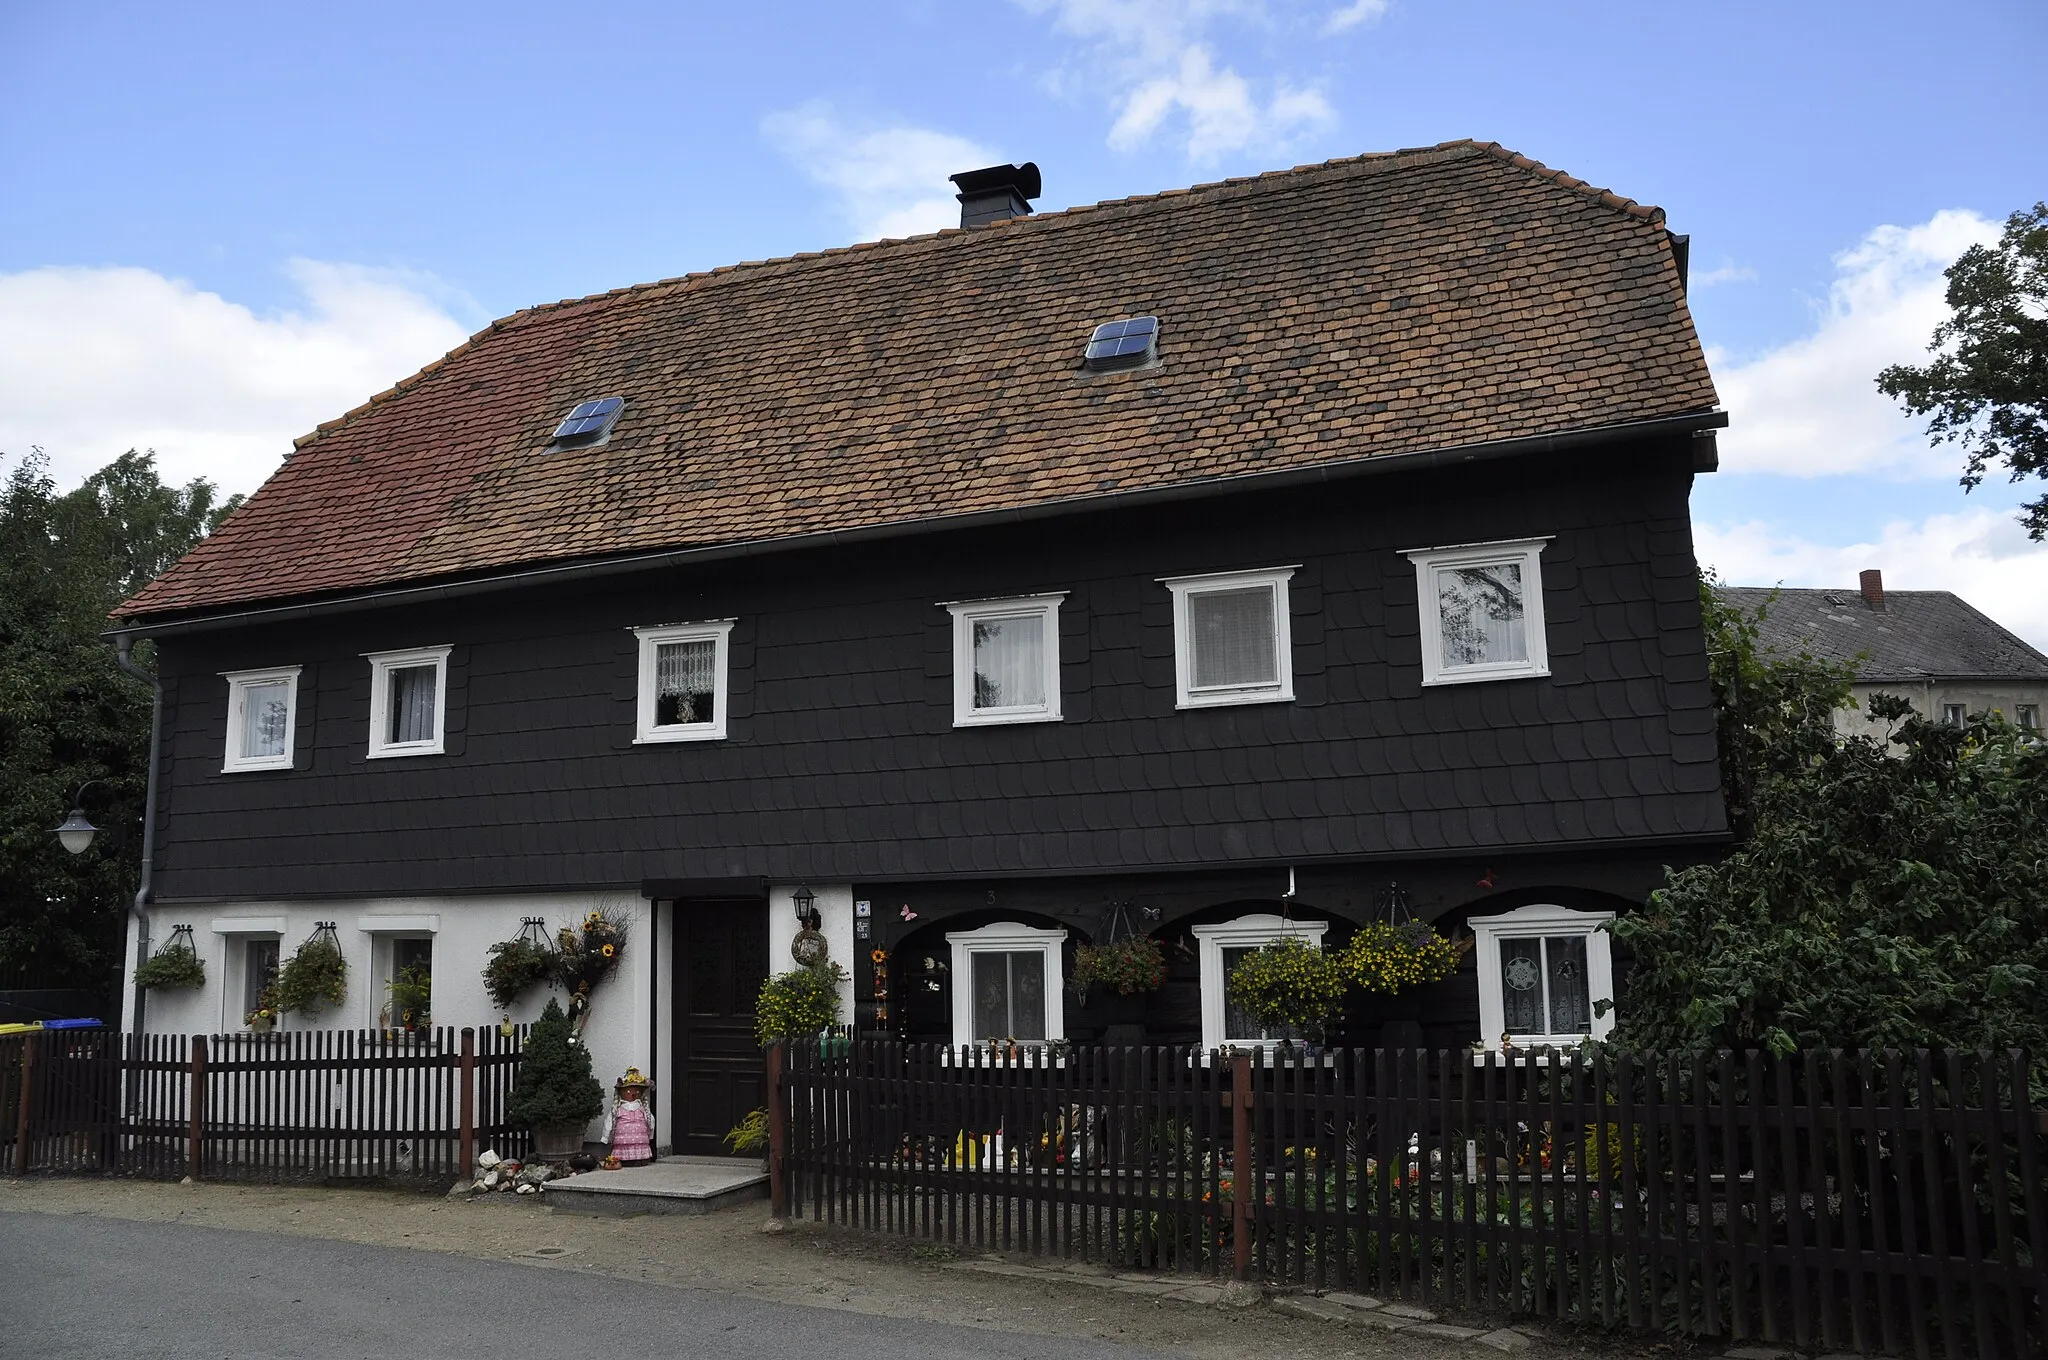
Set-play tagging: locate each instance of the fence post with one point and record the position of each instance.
(1241, 1165)
(778, 1136)
(196, 1106)
(468, 1079)
(28, 1095)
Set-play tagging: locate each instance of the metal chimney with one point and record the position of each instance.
(996, 193)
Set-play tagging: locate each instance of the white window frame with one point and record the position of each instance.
(1535, 921)
(1007, 937)
(381, 666)
(383, 931)
(966, 613)
(235, 933)
(1527, 553)
(651, 641)
(1280, 689)
(1246, 932)
(239, 682)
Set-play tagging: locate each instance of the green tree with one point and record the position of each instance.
(554, 1085)
(1987, 388)
(68, 714)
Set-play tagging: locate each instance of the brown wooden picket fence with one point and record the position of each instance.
(1878, 1202)
(300, 1105)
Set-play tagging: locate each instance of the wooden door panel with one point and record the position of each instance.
(721, 960)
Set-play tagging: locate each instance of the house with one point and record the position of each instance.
(1926, 646)
(1265, 557)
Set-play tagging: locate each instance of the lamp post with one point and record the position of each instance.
(76, 833)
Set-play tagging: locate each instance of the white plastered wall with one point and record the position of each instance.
(834, 906)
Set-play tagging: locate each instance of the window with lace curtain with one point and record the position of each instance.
(1543, 970)
(1482, 611)
(1006, 660)
(683, 681)
(408, 693)
(1231, 639)
(262, 708)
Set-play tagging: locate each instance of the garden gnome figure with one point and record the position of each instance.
(629, 1128)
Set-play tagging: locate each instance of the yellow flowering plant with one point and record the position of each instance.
(1288, 984)
(1384, 957)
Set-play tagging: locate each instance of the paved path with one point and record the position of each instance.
(78, 1286)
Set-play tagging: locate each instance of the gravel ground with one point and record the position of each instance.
(811, 1265)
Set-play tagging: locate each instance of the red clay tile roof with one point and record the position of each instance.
(1385, 304)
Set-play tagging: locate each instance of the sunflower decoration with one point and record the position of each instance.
(590, 952)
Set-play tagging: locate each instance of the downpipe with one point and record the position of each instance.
(140, 907)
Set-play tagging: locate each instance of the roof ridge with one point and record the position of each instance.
(1270, 178)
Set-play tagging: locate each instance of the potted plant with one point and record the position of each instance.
(315, 976)
(1127, 966)
(1289, 985)
(412, 997)
(1386, 957)
(177, 964)
(262, 1017)
(798, 1004)
(555, 1094)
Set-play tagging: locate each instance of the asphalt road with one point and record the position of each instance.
(78, 1286)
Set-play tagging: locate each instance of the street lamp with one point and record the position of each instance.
(77, 833)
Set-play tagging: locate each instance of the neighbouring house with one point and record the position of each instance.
(1926, 646)
(1266, 557)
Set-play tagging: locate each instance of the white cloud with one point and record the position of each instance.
(1811, 408)
(1726, 272)
(1354, 14)
(889, 181)
(1157, 58)
(1982, 555)
(95, 361)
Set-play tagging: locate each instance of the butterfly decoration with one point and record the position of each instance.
(906, 913)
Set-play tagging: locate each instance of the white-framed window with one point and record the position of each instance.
(1006, 983)
(408, 701)
(683, 681)
(263, 709)
(1006, 660)
(1221, 947)
(252, 950)
(1954, 715)
(1482, 611)
(1232, 643)
(1543, 972)
(2027, 716)
(398, 944)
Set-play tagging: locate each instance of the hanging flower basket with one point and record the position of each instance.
(518, 965)
(315, 976)
(177, 964)
(1126, 966)
(1386, 957)
(1289, 984)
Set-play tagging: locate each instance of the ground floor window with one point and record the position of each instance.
(1006, 984)
(1222, 947)
(1543, 970)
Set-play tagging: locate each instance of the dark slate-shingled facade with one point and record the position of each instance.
(1394, 417)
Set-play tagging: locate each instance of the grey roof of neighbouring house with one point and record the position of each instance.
(1918, 635)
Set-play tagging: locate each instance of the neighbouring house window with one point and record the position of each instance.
(408, 696)
(1006, 984)
(1543, 970)
(683, 681)
(262, 709)
(1006, 660)
(1231, 639)
(2028, 716)
(1221, 947)
(1482, 611)
(1953, 715)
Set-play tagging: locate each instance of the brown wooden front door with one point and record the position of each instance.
(721, 961)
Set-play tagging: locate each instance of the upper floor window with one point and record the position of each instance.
(1543, 970)
(683, 681)
(1231, 641)
(262, 713)
(1482, 611)
(1006, 983)
(1006, 660)
(408, 696)
(1222, 948)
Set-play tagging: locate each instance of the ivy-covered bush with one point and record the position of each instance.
(797, 1004)
(1289, 984)
(555, 1085)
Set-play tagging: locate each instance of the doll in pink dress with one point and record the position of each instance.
(629, 1128)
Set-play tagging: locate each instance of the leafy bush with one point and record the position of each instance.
(1383, 957)
(175, 965)
(555, 1085)
(797, 1004)
(1126, 966)
(316, 975)
(1288, 984)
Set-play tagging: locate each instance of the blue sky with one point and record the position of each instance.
(229, 222)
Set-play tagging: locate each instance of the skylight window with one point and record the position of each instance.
(590, 422)
(1121, 344)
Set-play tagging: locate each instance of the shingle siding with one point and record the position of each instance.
(842, 762)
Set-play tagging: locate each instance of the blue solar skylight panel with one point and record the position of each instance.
(1122, 340)
(590, 418)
